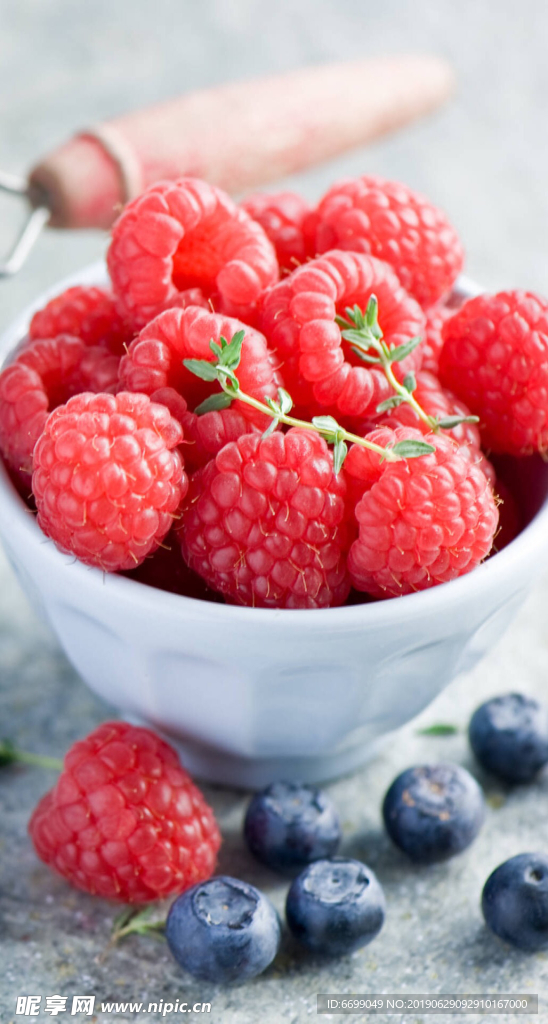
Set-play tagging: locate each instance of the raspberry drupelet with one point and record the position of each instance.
(298, 317)
(282, 216)
(155, 358)
(88, 313)
(436, 316)
(44, 374)
(421, 521)
(124, 820)
(266, 523)
(396, 224)
(108, 478)
(187, 234)
(495, 358)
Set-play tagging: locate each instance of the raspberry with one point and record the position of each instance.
(106, 481)
(281, 215)
(265, 523)
(495, 358)
(433, 339)
(43, 375)
(124, 820)
(390, 221)
(155, 358)
(422, 521)
(187, 234)
(298, 315)
(87, 313)
(165, 570)
(207, 434)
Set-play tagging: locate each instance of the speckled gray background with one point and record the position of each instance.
(484, 158)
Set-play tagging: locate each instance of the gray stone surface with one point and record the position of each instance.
(63, 65)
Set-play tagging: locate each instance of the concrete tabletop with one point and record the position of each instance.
(484, 159)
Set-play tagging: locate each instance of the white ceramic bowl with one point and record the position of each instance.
(251, 695)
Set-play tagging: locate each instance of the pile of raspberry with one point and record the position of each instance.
(137, 462)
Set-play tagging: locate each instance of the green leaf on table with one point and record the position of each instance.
(439, 729)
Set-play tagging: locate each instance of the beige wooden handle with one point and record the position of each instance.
(238, 136)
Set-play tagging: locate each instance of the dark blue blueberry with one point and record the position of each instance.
(433, 811)
(335, 906)
(289, 825)
(515, 901)
(509, 736)
(223, 930)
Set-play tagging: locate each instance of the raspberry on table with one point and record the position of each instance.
(495, 358)
(282, 216)
(187, 234)
(88, 313)
(392, 222)
(108, 478)
(266, 524)
(44, 374)
(155, 358)
(422, 521)
(298, 318)
(124, 820)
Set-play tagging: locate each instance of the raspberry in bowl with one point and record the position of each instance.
(255, 694)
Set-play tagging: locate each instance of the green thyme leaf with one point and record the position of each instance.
(412, 449)
(285, 400)
(340, 451)
(201, 368)
(454, 421)
(439, 729)
(401, 351)
(390, 403)
(410, 382)
(271, 427)
(232, 350)
(218, 401)
(326, 424)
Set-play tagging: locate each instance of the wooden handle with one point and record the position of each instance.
(237, 136)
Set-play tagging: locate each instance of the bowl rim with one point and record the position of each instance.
(489, 574)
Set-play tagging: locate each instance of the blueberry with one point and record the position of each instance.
(289, 825)
(509, 736)
(335, 906)
(515, 901)
(433, 811)
(223, 930)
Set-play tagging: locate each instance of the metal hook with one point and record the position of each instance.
(36, 221)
